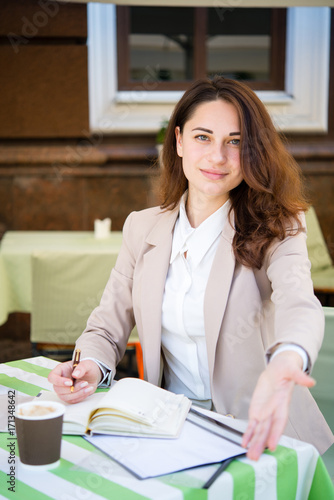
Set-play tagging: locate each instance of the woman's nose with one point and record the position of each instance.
(217, 153)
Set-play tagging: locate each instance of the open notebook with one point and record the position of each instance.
(132, 407)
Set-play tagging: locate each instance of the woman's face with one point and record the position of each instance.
(210, 150)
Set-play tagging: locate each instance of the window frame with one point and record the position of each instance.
(301, 108)
(277, 52)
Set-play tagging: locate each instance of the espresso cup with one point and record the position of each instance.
(39, 431)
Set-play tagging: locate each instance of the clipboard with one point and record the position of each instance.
(215, 426)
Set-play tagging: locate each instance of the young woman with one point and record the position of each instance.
(217, 279)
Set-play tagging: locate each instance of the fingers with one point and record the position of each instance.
(266, 432)
(262, 435)
(269, 407)
(81, 371)
(60, 373)
(276, 431)
(268, 417)
(80, 392)
(249, 433)
(257, 438)
(302, 378)
(61, 378)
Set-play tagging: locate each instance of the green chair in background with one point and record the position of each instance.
(323, 391)
(323, 371)
(66, 287)
(322, 270)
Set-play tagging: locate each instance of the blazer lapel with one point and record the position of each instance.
(155, 269)
(217, 291)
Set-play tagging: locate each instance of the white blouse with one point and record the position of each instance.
(186, 368)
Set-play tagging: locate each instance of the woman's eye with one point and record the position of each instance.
(235, 142)
(202, 137)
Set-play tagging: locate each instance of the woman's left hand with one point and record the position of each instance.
(269, 407)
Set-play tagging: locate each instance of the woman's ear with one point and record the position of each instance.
(178, 137)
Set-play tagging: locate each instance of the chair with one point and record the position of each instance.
(66, 287)
(322, 270)
(323, 371)
(135, 343)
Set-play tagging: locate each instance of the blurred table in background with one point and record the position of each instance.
(322, 268)
(58, 276)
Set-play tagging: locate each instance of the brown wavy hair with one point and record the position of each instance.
(271, 195)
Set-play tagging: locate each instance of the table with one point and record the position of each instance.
(293, 471)
(322, 270)
(79, 266)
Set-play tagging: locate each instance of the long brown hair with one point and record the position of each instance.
(268, 200)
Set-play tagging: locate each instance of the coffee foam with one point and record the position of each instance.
(36, 410)
(39, 410)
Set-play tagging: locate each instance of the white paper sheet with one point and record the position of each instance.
(149, 457)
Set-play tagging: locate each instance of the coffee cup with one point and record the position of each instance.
(39, 431)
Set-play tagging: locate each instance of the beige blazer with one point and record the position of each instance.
(246, 312)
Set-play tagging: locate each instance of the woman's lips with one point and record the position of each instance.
(214, 176)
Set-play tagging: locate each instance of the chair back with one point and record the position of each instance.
(66, 288)
(316, 245)
(323, 371)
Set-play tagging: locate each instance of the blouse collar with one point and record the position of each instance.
(197, 241)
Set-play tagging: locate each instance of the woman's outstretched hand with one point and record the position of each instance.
(87, 375)
(269, 407)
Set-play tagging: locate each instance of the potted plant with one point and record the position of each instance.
(160, 137)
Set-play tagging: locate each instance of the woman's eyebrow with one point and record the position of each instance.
(211, 131)
(203, 130)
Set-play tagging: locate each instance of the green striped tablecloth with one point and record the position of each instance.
(293, 471)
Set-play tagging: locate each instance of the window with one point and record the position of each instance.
(300, 106)
(181, 44)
